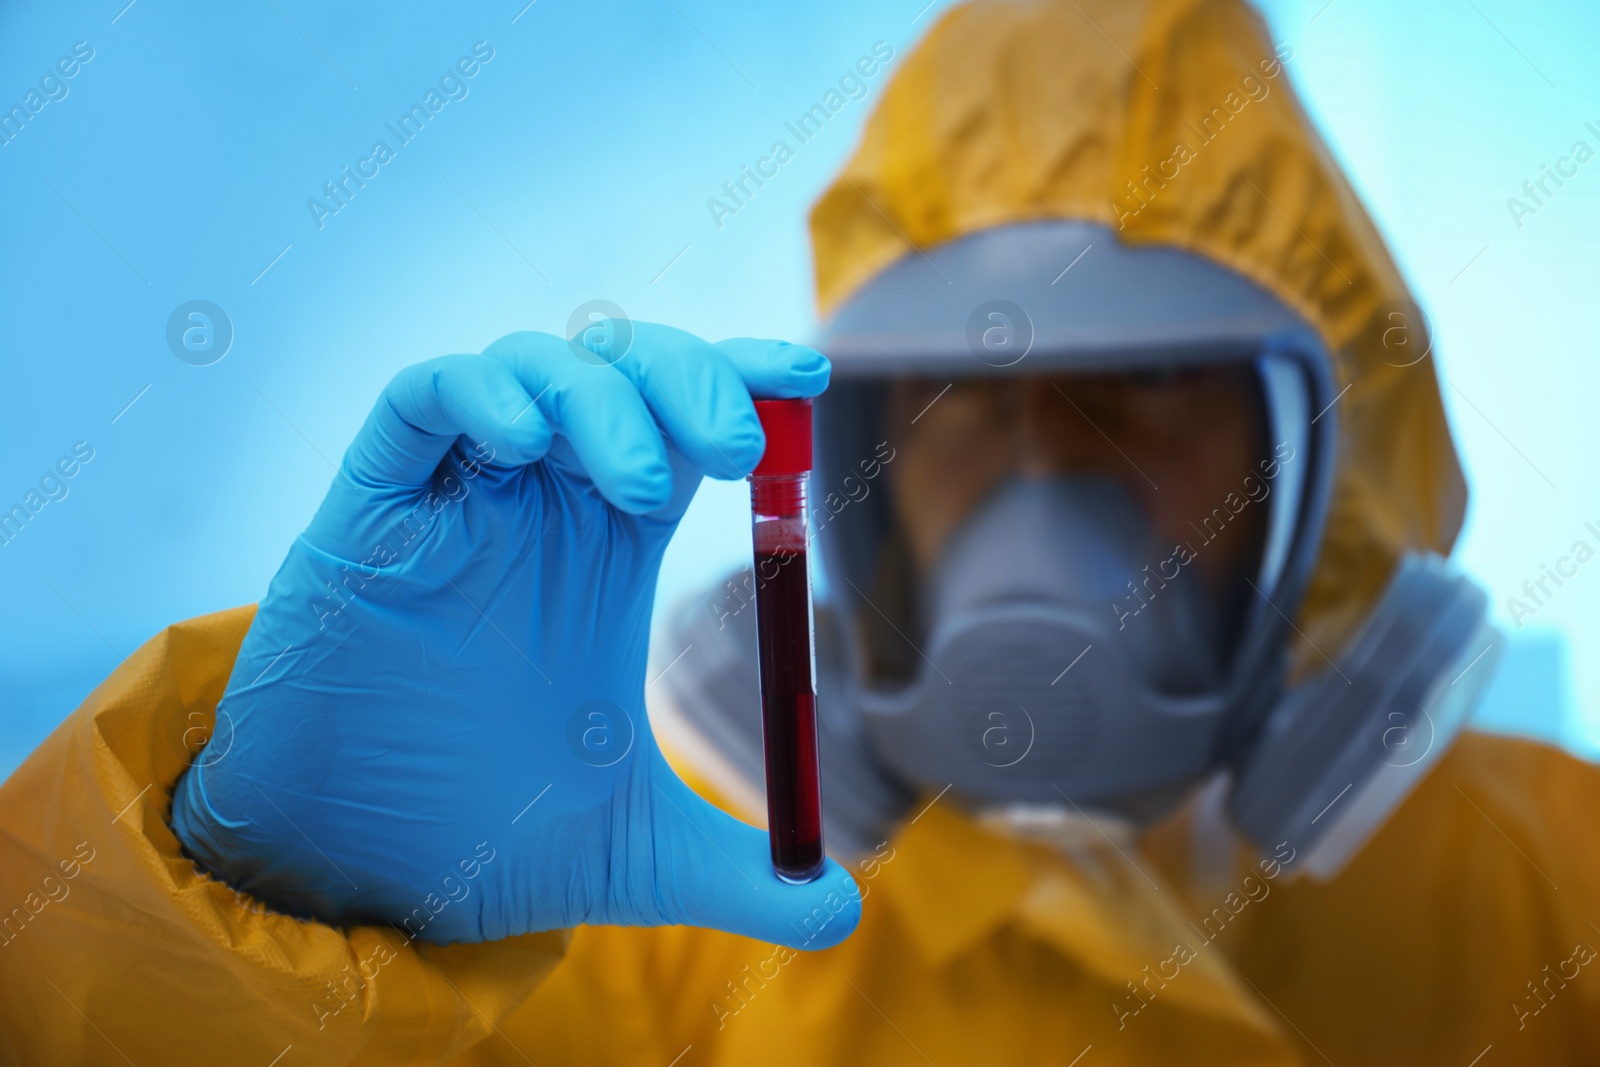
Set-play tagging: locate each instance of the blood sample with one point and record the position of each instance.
(784, 629)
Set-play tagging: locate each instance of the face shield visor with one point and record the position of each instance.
(1102, 486)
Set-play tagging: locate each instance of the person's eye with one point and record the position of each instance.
(1155, 377)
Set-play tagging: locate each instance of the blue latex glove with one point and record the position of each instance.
(437, 718)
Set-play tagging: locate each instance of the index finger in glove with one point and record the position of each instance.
(427, 406)
(700, 393)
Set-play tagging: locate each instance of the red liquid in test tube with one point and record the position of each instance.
(783, 623)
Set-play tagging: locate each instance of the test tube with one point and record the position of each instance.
(786, 640)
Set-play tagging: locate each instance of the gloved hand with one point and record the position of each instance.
(437, 718)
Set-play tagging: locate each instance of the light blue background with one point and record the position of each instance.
(585, 153)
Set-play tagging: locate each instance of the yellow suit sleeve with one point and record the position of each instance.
(115, 948)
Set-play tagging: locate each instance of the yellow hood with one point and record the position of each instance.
(1172, 121)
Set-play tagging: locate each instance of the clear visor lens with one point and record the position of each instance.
(1213, 454)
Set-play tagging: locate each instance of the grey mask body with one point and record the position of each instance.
(1055, 664)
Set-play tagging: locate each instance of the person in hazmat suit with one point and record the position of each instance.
(1142, 677)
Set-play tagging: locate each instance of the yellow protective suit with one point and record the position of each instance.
(1463, 934)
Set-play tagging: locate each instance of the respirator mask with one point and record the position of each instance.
(1057, 649)
(1067, 652)
(1049, 673)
